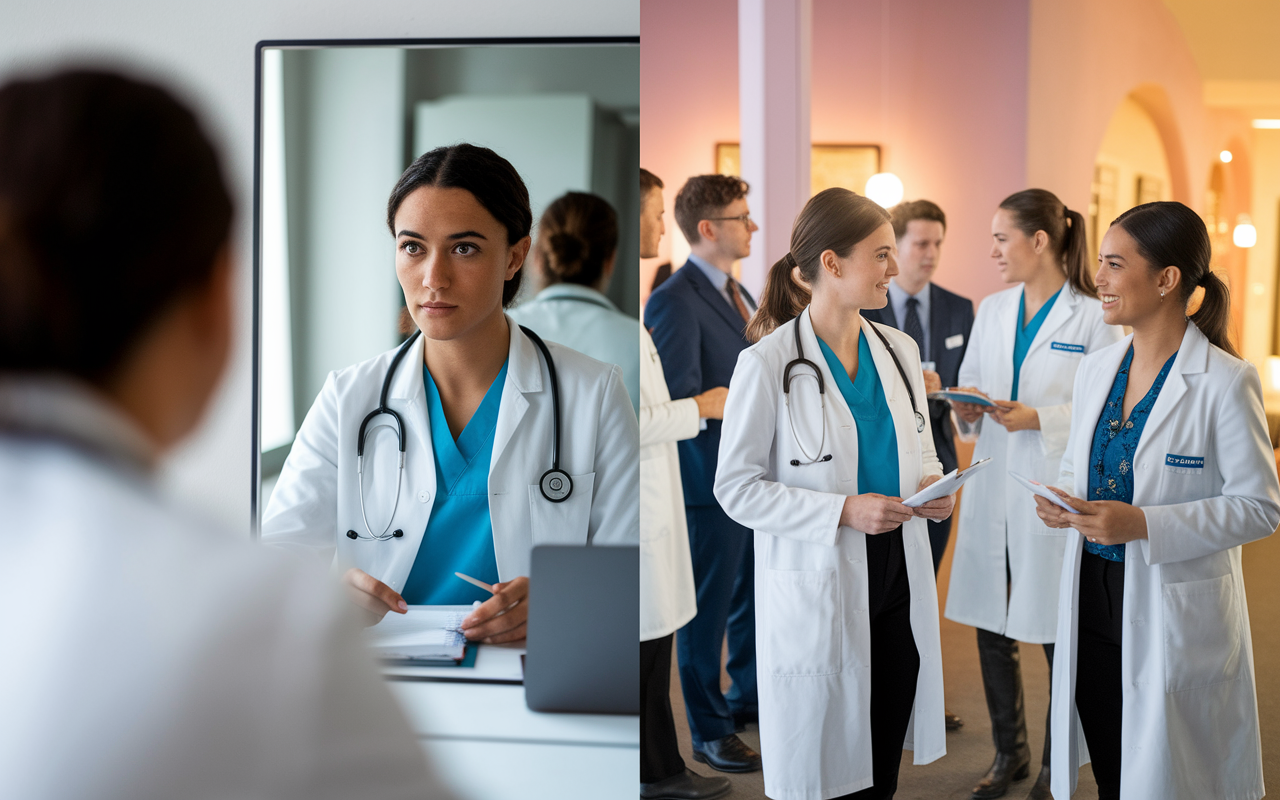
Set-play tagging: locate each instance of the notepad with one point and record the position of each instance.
(948, 484)
(1040, 489)
(958, 396)
(424, 634)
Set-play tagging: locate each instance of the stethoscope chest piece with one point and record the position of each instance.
(556, 485)
(919, 422)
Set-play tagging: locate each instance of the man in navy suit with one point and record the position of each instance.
(939, 321)
(697, 318)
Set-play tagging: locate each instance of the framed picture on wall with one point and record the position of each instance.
(1149, 189)
(845, 165)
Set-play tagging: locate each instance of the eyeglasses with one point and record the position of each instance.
(745, 219)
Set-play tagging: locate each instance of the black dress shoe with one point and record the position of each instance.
(1041, 789)
(728, 755)
(1007, 768)
(954, 723)
(686, 785)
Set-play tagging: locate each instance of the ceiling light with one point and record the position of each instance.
(885, 188)
(1225, 156)
(1245, 235)
(1267, 124)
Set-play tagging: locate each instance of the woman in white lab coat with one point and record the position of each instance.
(1169, 451)
(480, 469)
(173, 659)
(1026, 345)
(823, 437)
(575, 253)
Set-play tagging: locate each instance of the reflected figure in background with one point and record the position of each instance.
(697, 319)
(1026, 346)
(468, 445)
(1170, 452)
(575, 251)
(667, 599)
(823, 437)
(172, 659)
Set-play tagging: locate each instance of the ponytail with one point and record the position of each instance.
(782, 301)
(1169, 234)
(1039, 210)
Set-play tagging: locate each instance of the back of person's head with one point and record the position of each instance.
(488, 176)
(1039, 210)
(907, 212)
(833, 219)
(648, 182)
(112, 209)
(703, 197)
(1168, 234)
(577, 239)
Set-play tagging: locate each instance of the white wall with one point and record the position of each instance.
(207, 51)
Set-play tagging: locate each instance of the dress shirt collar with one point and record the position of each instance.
(718, 277)
(898, 296)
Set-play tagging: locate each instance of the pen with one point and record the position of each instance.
(475, 582)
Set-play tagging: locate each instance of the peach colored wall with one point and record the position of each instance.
(941, 86)
(688, 97)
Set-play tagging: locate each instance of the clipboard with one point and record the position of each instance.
(959, 396)
(949, 484)
(1040, 489)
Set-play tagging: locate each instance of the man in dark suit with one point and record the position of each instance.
(697, 318)
(939, 321)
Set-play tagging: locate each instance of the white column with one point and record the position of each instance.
(774, 46)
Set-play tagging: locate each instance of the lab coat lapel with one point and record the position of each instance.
(524, 374)
(1192, 358)
(408, 395)
(1090, 402)
(1064, 308)
(838, 415)
(1002, 346)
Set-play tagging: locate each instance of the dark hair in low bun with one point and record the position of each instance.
(577, 235)
(1169, 234)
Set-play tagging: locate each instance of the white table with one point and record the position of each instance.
(486, 743)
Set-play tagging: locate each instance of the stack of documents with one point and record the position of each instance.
(423, 635)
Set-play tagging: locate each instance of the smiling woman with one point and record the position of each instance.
(478, 425)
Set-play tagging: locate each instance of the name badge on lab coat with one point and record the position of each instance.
(952, 342)
(1067, 348)
(1184, 462)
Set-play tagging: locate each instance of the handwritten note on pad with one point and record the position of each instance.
(423, 633)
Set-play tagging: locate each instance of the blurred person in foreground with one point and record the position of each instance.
(171, 659)
(667, 598)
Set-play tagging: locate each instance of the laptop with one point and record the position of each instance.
(583, 643)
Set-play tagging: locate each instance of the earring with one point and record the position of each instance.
(1162, 294)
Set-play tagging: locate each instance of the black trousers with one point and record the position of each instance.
(659, 754)
(1099, 687)
(895, 661)
(1001, 664)
(939, 533)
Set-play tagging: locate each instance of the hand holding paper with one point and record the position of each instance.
(948, 485)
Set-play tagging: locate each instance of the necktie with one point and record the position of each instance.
(732, 288)
(912, 327)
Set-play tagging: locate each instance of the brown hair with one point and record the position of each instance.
(1169, 234)
(704, 196)
(904, 213)
(649, 182)
(1038, 210)
(112, 207)
(577, 235)
(833, 219)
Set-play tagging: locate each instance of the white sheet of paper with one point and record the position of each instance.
(1039, 488)
(948, 484)
(429, 627)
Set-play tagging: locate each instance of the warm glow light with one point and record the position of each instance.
(1273, 371)
(1225, 156)
(885, 188)
(1245, 235)
(1269, 124)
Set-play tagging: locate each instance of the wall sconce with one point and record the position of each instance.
(1244, 235)
(885, 188)
(1225, 156)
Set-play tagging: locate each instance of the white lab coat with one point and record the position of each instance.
(996, 515)
(317, 498)
(149, 656)
(1190, 714)
(667, 596)
(581, 318)
(813, 644)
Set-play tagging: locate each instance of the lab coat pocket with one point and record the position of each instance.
(804, 636)
(566, 522)
(1201, 633)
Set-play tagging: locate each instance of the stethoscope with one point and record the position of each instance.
(801, 361)
(555, 483)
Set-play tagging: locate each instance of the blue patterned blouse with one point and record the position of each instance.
(1115, 440)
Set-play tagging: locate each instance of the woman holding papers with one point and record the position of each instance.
(474, 441)
(1170, 451)
(1026, 345)
(820, 443)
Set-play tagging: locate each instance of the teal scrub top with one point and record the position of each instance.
(877, 439)
(459, 535)
(1025, 335)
